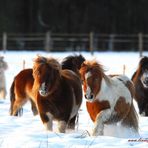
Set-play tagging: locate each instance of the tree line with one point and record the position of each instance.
(74, 16)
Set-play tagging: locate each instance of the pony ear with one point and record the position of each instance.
(144, 60)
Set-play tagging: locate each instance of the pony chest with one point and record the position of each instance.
(96, 107)
(57, 106)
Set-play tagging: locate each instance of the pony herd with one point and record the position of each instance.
(55, 92)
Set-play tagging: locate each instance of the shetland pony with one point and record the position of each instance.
(3, 67)
(109, 99)
(57, 93)
(22, 84)
(21, 91)
(73, 63)
(140, 80)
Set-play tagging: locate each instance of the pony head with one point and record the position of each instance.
(73, 63)
(92, 74)
(46, 71)
(143, 70)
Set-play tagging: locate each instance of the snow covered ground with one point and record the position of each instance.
(28, 131)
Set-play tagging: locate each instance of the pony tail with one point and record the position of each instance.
(12, 100)
(12, 97)
(131, 120)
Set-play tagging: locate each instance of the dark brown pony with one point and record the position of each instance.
(109, 99)
(57, 93)
(22, 84)
(73, 63)
(140, 80)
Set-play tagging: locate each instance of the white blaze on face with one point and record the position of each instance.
(42, 90)
(88, 93)
(144, 79)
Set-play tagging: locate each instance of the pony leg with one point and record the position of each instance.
(146, 110)
(141, 106)
(16, 108)
(72, 122)
(47, 120)
(33, 107)
(62, 126)
(101, 118)
(3, 93)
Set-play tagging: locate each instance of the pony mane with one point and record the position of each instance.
(50, 61)
(95, 67)
(72, 61)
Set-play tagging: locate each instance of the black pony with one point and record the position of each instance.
(140, 80)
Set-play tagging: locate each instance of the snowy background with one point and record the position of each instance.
(28, 131)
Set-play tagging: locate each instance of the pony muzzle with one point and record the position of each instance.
(42, 90)
(89, 97)
(144, 81)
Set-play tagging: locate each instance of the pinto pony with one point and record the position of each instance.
(140, 80)
(57, 93)
(21, 88)
(109, 99)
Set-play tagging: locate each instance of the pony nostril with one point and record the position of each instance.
(146, 81)
(91, 96)
(85, 96)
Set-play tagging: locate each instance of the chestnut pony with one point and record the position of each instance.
(57, 93)
(140, 80)
(109, 99)
(22, 84)
(21, 92)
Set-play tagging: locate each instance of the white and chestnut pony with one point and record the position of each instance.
(21, 88)
(109, 98)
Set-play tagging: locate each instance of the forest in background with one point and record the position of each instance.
(74, 16)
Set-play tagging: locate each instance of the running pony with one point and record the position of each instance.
(140, 80)
(109, 99)
(57, 93)
(21, 88)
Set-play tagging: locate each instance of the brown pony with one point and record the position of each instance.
(140, 80)
(109, 99)
(57, 93)
(21, 92)
(23, 82)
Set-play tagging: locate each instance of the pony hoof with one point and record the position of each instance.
(100, 133)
